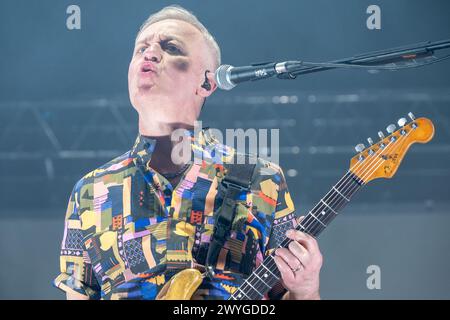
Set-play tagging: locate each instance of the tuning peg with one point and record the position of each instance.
(360, 147)
(390, 128)
(380, 134)
(401, 122)
(370, 141)
(411, 116)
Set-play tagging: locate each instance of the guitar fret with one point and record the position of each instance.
(328, 206)
(242, 292)
(253, 288)
(317, 219)
(348, 200)
(269, 269)
(256, 275)
(348, 185)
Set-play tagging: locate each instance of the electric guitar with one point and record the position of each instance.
(379, 160)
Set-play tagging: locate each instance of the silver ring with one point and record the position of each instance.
(298, 268)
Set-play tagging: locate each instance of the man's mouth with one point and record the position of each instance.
(148, 67)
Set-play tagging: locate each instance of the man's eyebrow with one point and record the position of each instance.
(164, 38)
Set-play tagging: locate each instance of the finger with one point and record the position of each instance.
(300, 252)
(288, 257)
(313, 259)
(306, 240)
(298, 221)
(286, 272)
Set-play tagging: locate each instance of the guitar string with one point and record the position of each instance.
(395, 143)
(304, 224)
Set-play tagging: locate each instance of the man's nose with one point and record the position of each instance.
(153, 53)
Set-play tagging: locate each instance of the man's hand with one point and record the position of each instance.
(299, 265)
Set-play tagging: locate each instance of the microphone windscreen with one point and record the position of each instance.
(222, 77)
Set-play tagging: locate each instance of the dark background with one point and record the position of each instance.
(64, 110)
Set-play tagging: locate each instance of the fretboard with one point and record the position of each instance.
(266, 275)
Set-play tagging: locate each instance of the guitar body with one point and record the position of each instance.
(181, 286)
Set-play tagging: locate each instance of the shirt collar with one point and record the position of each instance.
(144, 146)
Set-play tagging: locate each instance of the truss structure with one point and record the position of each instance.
(44, 144)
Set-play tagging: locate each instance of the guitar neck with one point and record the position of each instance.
(267, 275)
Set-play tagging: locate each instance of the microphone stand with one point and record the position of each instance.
(377, 60)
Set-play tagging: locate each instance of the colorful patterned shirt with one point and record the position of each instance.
(128, 230)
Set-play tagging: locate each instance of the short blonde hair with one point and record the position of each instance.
(179, 13)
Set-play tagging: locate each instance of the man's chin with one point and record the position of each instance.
(145, 87)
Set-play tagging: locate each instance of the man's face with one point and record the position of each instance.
(168, 65)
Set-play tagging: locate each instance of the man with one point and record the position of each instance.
(144, 216)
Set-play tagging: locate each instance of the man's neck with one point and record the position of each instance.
(160, 128)
(161, 159)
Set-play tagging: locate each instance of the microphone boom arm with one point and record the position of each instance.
(372, 60)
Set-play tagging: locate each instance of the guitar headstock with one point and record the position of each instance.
(382, 159)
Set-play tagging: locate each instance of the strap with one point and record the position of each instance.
(237, 179)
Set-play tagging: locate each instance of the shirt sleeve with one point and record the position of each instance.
(76, 273)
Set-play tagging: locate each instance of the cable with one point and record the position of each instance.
(374, 67)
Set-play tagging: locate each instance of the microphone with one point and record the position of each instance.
(227, 77)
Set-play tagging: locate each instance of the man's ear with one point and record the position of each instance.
(209, 78)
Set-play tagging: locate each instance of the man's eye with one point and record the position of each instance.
(171, 48)
(141, 50)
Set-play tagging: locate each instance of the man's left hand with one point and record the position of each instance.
(299, 265)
